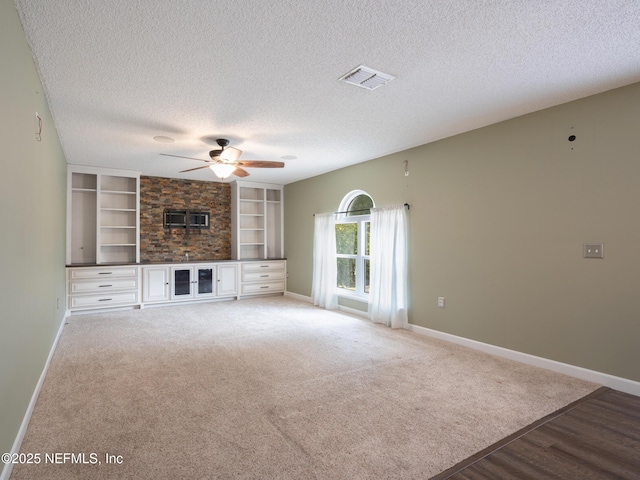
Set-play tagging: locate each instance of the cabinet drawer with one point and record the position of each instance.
(262, 266)
(266, 275)
(104, 285)
(89, 273)
(106, 300)
(254, 288)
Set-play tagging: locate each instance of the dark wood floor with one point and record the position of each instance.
(597, 437)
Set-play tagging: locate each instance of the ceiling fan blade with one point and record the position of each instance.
(260, 164)
(240, 172)
(192, 169)
(230, 154)
(180, 156)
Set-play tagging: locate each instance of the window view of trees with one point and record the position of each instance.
(352, 246)
(361, 205)
(347, 245)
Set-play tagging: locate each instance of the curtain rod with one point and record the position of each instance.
(364, 210)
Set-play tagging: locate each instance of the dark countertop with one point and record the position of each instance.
(175, 262)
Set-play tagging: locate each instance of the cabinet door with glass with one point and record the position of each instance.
(193, 282)
(204, 281)
(181, 282)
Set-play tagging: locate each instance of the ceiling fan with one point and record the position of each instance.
(224, 161)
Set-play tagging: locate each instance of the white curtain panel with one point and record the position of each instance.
(325, 269)
(389, 263)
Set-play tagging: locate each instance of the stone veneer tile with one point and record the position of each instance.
(158, 244)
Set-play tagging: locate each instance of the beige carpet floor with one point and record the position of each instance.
(271, 388)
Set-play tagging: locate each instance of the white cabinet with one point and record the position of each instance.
(102, 287)
(103, 223)
(181, 282)
(227, 280)
(257, 227)
(258, 278)
(193, 281)
(97, 287)
(155, 284)
(188, 281)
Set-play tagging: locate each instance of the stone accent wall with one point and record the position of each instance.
(158, 244)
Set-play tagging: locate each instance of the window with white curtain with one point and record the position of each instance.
(353, 231)
(389, 261)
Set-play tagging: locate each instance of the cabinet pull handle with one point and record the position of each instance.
(105, 299)
(264, 266)
(101, 286)
(105, 273)
(266, 286)
(264, 276)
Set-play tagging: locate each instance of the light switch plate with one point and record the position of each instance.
(593, 250)
(440, 302)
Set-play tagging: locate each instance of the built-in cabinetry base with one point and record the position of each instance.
(186, 281)
(137, 286)
(262, 277)
(89, 288)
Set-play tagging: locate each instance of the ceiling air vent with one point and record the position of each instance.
(366, 77)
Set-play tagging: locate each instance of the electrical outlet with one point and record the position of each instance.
(440, 302)
(593, 250)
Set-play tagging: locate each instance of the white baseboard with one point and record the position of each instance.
(297, 296)
(617, 383)
(352, 311)
(6, 471)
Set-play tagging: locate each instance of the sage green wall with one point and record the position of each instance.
(498, 219)
(32, 195)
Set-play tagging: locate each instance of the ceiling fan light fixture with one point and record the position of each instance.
(222, 170)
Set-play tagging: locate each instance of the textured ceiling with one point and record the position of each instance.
(264, 74)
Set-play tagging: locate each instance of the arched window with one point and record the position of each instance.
(356, 203)
(352, 243)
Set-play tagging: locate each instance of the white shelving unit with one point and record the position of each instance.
(82, 194)
(103, 215)
(257, 228)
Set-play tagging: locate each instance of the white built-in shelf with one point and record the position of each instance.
(102, 215)
(256, 221)
(118, 192)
